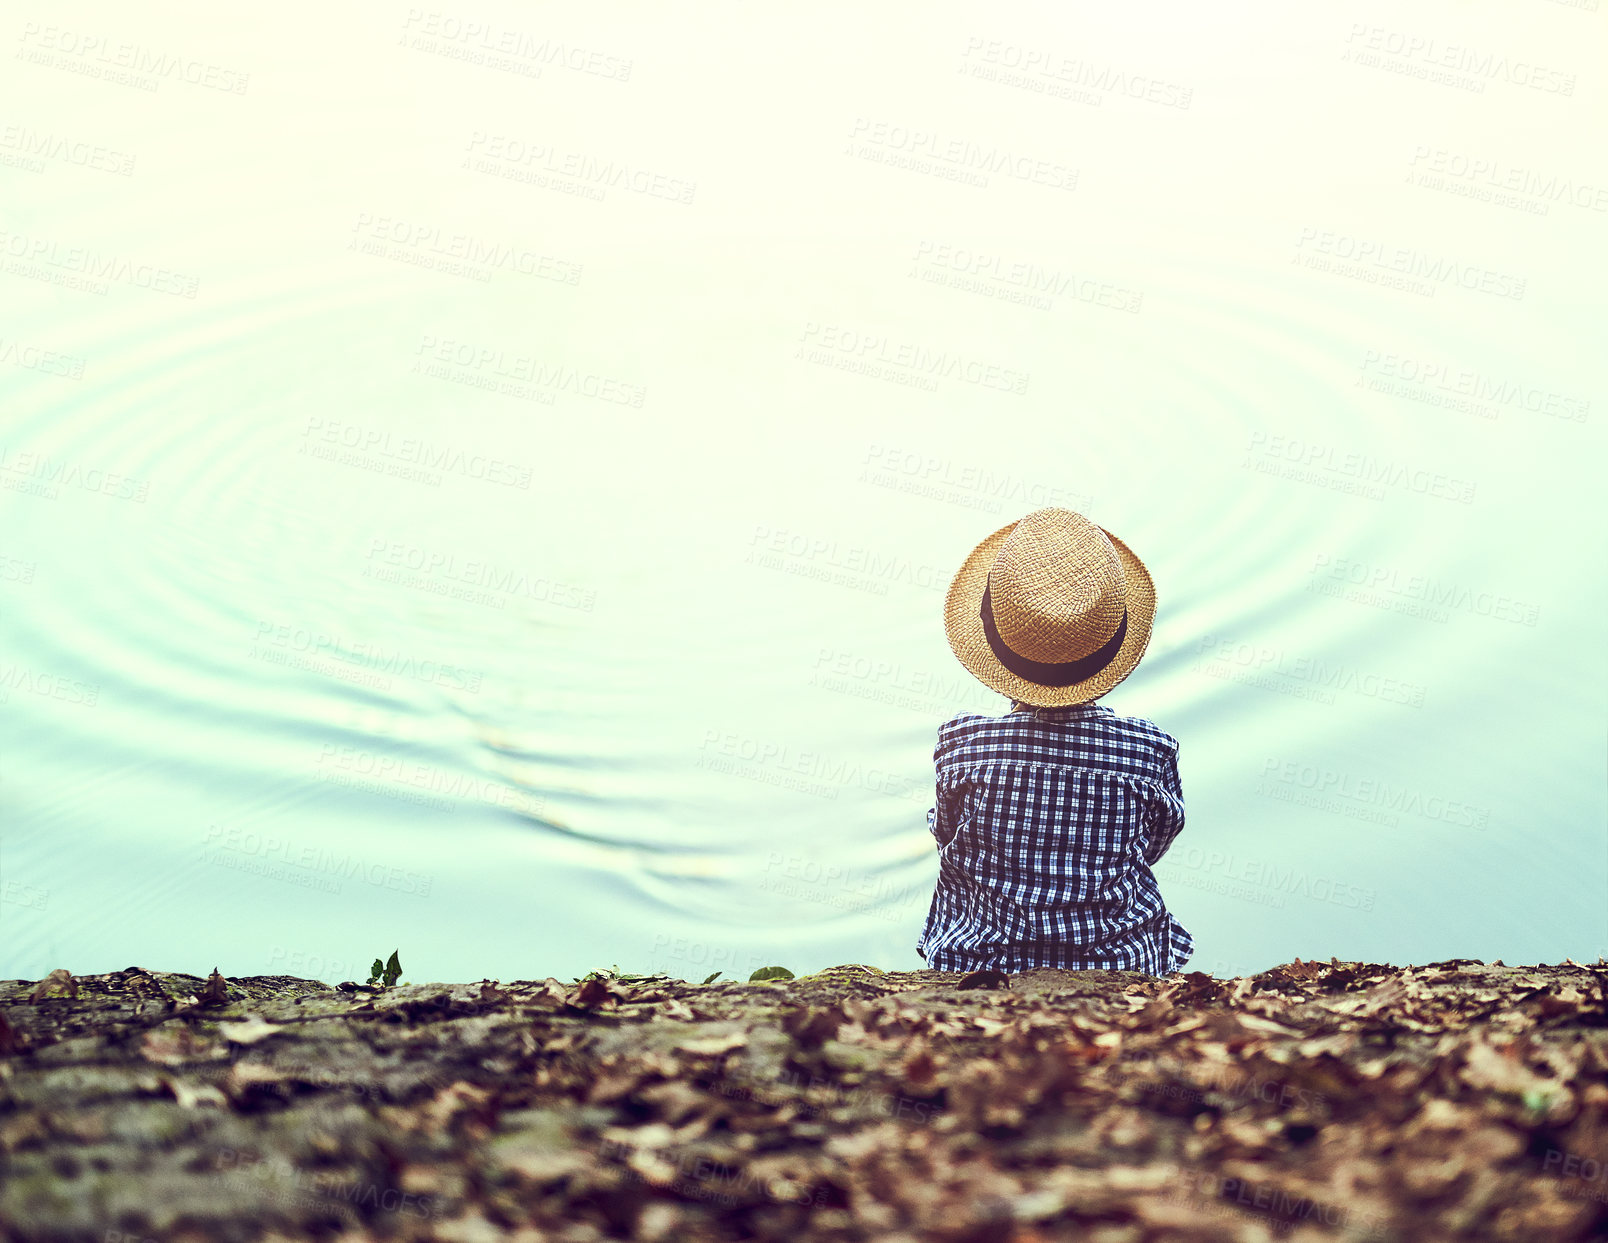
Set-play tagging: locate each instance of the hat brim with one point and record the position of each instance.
(963, 625)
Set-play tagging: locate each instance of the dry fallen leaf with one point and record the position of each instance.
(811, 1028)
(59, 979)
(713, 1044)
(249, 1030)
(452, 1100)
(171, 1044)
(1257, 1023)
(1498, 1069)
(549, 995)
(594, 994)
(919, 1070)
(216, 992)
(490, 994)
(190, 1096)
(649, 1135)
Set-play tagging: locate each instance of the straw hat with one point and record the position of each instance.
(1050, 610)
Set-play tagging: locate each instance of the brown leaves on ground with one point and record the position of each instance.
(1342, 1101)
(1315, 1100)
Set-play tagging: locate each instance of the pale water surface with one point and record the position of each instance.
(500, 508)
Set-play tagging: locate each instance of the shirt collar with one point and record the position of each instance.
(1069, 712)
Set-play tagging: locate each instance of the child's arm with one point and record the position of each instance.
(1166, 816)
(940, 816)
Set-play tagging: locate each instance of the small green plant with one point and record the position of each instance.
(771, 973)
(386, 973)
(710, 979)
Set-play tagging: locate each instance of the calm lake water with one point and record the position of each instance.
(484, 485)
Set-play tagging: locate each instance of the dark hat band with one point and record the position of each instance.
(1063, 673)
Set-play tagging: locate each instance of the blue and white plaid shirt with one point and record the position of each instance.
(1048, 823)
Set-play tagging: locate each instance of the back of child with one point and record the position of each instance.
(1049, 819)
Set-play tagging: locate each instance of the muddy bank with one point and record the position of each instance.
(1351, 1101)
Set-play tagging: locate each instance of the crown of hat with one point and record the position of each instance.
(1056, 587)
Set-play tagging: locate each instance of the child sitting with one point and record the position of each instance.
(1050, 818)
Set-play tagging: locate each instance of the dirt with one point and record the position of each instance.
(1334, 1101)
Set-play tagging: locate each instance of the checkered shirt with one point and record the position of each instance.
(1048, 824)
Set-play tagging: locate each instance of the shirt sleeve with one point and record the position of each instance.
(1166, 816)
(941, 816)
